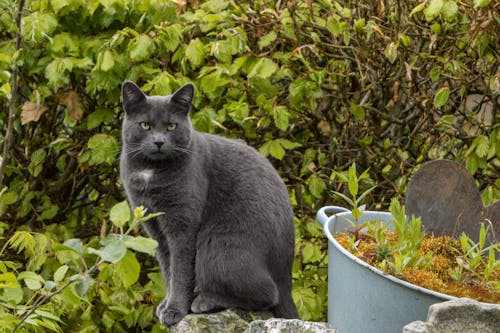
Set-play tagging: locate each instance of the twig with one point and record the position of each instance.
(13, 95)
(49, 296)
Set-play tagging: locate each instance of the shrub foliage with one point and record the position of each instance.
(314, 85)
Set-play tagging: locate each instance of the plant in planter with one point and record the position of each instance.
(376, 260)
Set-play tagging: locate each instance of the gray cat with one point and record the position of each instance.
(227, 236)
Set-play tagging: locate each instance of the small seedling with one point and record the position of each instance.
(353, 181)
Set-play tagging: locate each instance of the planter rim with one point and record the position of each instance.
(332, 220)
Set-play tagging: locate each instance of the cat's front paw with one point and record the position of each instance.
(161, 307)
(168, 314)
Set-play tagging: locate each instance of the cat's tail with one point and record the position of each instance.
(286, 307)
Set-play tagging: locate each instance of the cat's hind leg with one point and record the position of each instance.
(240, 281)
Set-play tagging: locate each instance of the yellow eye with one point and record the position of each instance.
(145, 126)
(171, 127)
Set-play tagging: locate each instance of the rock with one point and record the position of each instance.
(444, 194)
(462, 315)
(288, 326)
(231, 320)
(239, 321)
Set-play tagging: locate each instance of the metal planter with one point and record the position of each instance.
(362, 298)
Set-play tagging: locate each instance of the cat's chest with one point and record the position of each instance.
(150, 183)
(140, 181)
(145, 175)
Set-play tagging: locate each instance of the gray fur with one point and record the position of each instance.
(227, 236)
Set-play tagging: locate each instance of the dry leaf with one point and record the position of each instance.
(324, 126)
(195, 4)
(181, 5)
(408, 71)
(381, 9)
(311, 166)
(74, 104)
(31, 111)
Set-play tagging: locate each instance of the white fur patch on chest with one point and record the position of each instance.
(146, 174)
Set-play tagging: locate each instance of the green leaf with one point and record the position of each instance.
(288, 145)
(65, 254)
(142, 244)
(107, 61)
(57, 5)
(128, 269)
(170, 36)
(264, 68)
(215, 6)
(449, 10)
(99, 117)
(112, 252)
(264, 149)
(32, 280)
(333, 26)
(418, 8)
(316, 185)
(276, 150)
(8, 280)
(141, 48)
(38, 25)
(120, 214)
(75, 244)
(37, 160)
(405, 39)
(352, 184)
(358, 112)
(48, 315)
(433, 9)
(391, 52)
(441, 97)
(60, 273)
(345, 197)
(6, 199)
(480, 3)
(83, 284)
(307, 252)
(49, 213)
(281, 116)
(103, 149)
(266, 40)
(482, 145)
(195, 52)
(435, 73)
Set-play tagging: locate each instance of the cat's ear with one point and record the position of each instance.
(183, 97)
(131, 94)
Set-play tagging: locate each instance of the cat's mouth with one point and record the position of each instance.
(158, 154)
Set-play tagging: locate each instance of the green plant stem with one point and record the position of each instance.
(13, 96)
(49, 296)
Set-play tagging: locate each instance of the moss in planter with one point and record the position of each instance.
(434, 274)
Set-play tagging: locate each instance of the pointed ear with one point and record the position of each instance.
(131, 94)
(183, 97)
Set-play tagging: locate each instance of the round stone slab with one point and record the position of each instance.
(447, 199)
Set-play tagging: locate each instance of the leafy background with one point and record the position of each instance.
(314, 85)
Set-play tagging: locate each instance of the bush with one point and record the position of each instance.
(313, 85)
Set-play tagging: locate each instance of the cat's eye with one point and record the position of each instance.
(145, 126)
(171, 127)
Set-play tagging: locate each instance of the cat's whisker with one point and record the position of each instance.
(182, 149)
(134, 152)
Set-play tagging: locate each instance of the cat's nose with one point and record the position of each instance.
(158, 144)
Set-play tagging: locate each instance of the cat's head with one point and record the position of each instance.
(156, 127)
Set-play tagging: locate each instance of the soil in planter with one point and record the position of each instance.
(434, 276)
